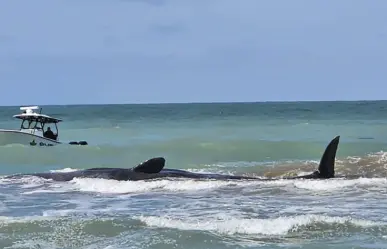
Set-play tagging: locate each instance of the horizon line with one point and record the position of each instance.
(197, 102)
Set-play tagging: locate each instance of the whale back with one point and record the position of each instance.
(151, 166)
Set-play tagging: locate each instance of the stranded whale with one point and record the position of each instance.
(154, 168)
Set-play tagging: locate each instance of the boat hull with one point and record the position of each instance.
(24, 138)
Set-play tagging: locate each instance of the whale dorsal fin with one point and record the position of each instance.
(327, 163)
(151, 166)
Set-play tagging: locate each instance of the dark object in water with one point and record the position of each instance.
(78, 143)
(154, 169)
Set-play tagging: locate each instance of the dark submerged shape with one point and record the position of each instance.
(142, 171)
(154, 168)
(78, 143)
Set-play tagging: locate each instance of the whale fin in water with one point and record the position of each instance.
(326, 169)
(151, 166)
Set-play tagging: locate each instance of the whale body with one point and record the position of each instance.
(154, 169)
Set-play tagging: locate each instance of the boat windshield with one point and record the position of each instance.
(31, 124)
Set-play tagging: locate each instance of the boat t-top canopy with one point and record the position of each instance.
(30, 115)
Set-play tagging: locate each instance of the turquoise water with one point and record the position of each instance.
(237, 138)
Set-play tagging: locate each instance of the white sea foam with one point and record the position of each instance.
(120, 187)
(26, 182)
(117, 187)
(231, 225)
(64, 170)
(22, 219)
(336, 184)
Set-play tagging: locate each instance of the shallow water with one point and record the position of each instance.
(268, 139)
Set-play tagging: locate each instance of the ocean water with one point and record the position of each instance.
(261, 139)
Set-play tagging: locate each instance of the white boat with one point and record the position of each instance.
(33, 129)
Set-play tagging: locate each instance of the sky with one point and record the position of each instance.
(166, 51)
